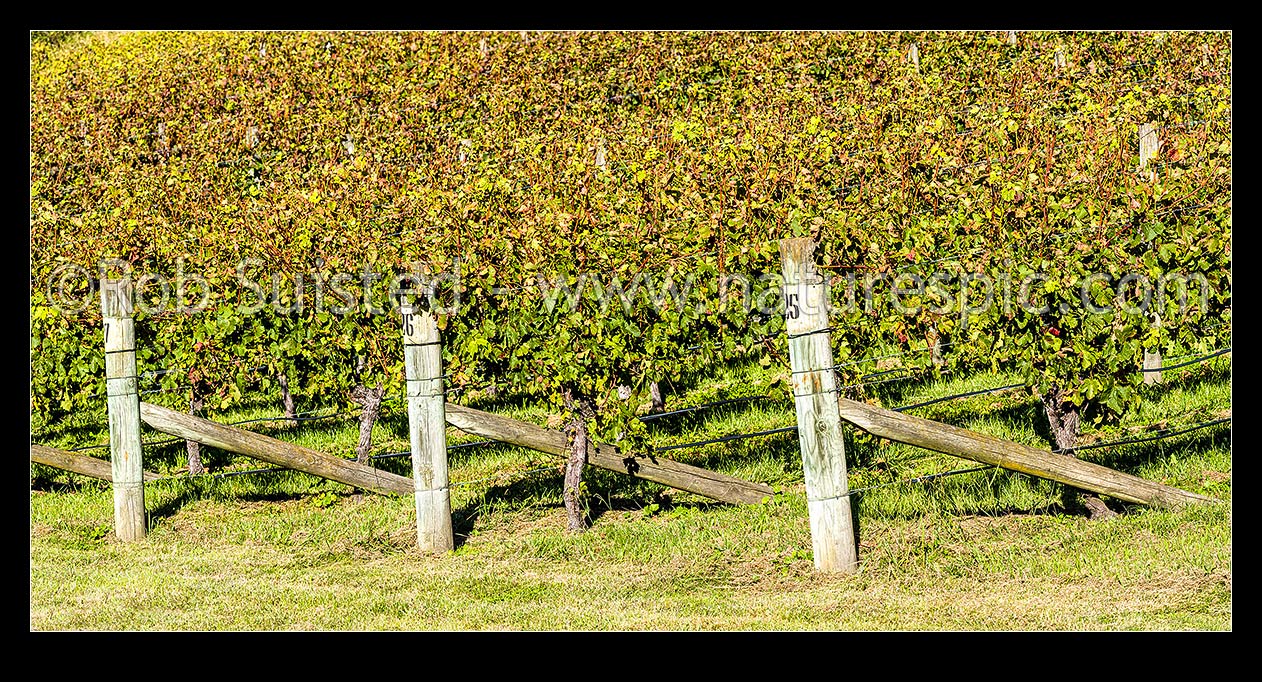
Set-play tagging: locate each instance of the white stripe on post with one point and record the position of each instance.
(818, 416)
(126, 465)
(427, 428)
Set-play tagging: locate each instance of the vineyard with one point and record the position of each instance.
(1022, 234)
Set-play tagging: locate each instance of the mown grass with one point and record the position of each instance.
(990, 550)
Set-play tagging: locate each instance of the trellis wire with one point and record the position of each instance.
(1195, 361)
(1163, 434)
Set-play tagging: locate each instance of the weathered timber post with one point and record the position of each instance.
(601, 157)
(274, 451)
(987, 449)
(123, 402)
(427, 429)
(935, 348)
(77, 463)
(1149, 142)
(819, 419)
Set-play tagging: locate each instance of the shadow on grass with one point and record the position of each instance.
(1013, 510)
(401, 466)
(168, 459)
(1131, 456)
(270, 486)
(78, 432)
(49, 479)
(187, 492)
(779, 447)
(600, 505)
(613, 491)
(1017, 414)
(462, 522)
(395, 424)
(717, 413)
(607, 491)
(1189, 378)
(988, 492)
(537, 489)
(898, 389)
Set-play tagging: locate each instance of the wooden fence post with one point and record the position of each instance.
(601, 160)
(123, 402)
(427, 428)
(162, 144)
(913, 55)
(1148, 145)
(935, 350)
(815, 399)
(1149, 142)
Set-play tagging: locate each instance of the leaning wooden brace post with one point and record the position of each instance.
(274, 451)
(126, 465)
(648, 466)
(987, 449)
(1148, 145)
(77, 463)
(815, 399)
(427, 428)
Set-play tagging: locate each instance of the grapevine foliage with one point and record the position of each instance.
(679, 158)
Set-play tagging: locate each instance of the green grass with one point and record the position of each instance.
(991, 550)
